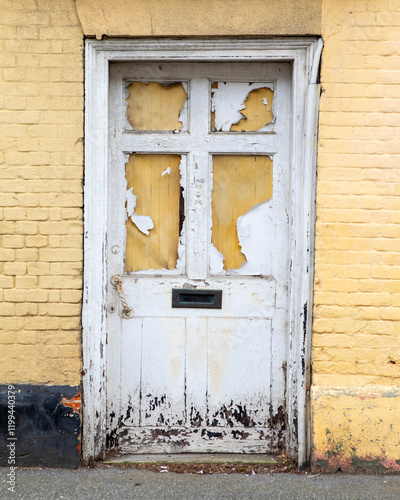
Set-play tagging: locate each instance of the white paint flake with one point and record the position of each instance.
(180, 265)
(216, 260)
(255, 232)
(183, 115)
(143, 222)
(166, 171)
(265, 101)
(229, 99)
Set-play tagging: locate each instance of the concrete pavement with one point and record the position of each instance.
(125, 483)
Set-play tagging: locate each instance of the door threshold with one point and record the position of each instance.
(194, 458)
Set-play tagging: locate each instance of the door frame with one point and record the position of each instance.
(304, 54)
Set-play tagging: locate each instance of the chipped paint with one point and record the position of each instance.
(350, 433)
(252, 239)
(74, 402)
(143, 222)
(216, 260)
(178, 380)
(157, 106)
(241, 106)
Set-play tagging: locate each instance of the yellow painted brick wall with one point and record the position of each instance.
(41, 168)
(356, 338)
(357, 274)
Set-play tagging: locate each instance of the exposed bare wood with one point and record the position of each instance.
(152, 106)
(257, 112)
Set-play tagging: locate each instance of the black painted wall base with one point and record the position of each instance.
(47, 426)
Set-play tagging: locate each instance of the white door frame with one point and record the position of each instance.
(304, 53)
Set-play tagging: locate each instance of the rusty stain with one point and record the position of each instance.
(74, 402)
(354, 464)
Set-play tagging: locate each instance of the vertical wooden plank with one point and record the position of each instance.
(131, 361)
(278, 368)
(163, 372)
(238, 372)
(196, 371)
(198, 183)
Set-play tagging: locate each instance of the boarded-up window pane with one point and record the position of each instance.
(241, 107)
(156, 106)
(153, 188)
(239, 183)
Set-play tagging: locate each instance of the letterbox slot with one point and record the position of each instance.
(205, 299)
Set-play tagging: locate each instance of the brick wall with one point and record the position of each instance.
(41, 156)
(357, 277)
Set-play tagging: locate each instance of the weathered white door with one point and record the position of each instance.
(198, 230)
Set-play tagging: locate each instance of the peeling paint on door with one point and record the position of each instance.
(143, 222)
(199, 211)
(153, 206)
(241, 107)
(157, 106)
(241, 216)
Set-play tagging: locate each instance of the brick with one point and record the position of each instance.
(54, 296)
(15, 213)
(14, 268)
(27, 282)
(7, 309)
(7, 254)
(26, 227)
(6, 281)
(38, 214)
(70, 227)
(8, 200)
(38, 268)
(36, 295)
(63, 309)
(73, 296)
(13, 241)
(60, 282)
(27, 254)
(26, 309)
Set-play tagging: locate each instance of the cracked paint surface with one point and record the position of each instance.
(241, 107)
(153, 201)
(157, 106)
(241, 214)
